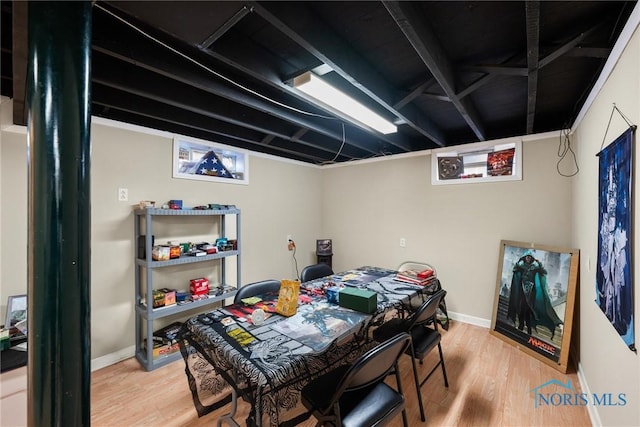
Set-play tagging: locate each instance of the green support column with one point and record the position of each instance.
(58, 101)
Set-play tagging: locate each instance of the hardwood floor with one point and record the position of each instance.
(490, 384)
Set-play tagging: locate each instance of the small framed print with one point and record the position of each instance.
(324, 247)
(16, 313)
(208, 161)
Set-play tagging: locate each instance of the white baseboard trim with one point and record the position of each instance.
(592, 410)
(472, 320)
(112, 358)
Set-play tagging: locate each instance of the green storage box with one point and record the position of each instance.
(358, 299)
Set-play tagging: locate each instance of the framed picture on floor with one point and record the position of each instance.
(534, 300)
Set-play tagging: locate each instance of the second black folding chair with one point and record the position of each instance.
(422, 325)
(315, 271)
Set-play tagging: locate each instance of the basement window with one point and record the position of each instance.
(493, 161)
(209, 161)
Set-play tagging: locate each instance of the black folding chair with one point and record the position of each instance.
(356, 395)
(315, 271)
(422, 325)
(256, 288)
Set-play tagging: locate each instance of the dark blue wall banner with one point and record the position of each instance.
(614, 279)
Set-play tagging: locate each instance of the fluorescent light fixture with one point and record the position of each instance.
(341, 103)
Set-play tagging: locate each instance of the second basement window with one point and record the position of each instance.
(480, 162)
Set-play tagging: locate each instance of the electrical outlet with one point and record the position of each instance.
(289, 238)
(123, 194)
(403, 242)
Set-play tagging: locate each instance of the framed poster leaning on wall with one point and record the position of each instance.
(534, 300)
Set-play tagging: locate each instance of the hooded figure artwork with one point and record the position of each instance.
(529, 303)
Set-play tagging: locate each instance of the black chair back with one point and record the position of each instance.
(357, 395)
(257, 288)
(373, 366)
(427, 311)
(423, 339)
(315, 271)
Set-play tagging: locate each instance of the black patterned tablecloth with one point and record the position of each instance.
(269, 364)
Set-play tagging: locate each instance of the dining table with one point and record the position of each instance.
(266, 363)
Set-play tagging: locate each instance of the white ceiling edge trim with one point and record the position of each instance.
(614, 56)
(377, 159)
(131, 127)
(150, 131)
(470, 146)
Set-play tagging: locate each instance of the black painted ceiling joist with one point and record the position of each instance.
(223, 73)
(417, 30)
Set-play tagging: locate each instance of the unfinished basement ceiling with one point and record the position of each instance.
(448, 73)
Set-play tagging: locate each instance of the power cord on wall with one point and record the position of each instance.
(564, 148)
(292, 247)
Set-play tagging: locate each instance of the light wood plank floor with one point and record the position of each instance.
(489, 385)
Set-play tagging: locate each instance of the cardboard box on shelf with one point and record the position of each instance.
(175, 204)
(175, 251)
(182, 296)
(199, 286)
(160, 350)
(161, 253)
(169, 296)
(168, 334)
(158, 299)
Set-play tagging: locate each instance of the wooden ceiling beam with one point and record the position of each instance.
(533, 48)
(222, 30)
(415, 93)
(590, 52)
(477, 84)
(568, 46)
(418, 32)
(20, 48)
